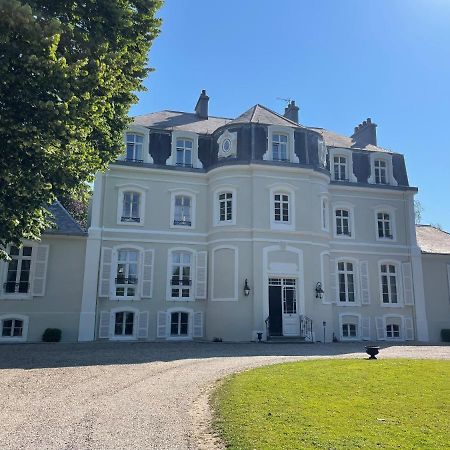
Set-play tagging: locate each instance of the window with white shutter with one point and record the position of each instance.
(104, 286)
(161, 331)
(201, 276)
(364, 279)
(103, 331)
(143, 324)
(198, 324)
(365, 328)
(379, 322)
(40, 270)
(147, 273)
(408, 328)
(408, 291)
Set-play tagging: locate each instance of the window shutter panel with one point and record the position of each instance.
(142, 325)
(104, 287)
(103, 332)
(333, 282)
(198, 324)
(201, 274)
(364, 281)
(162, 324)
(408, 292)
(147, 273)
(365, 328)
(40, 270)
(380, 328)
(408, 328)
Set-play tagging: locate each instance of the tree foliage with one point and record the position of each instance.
(68, 73)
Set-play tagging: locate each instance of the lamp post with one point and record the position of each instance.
(319, 290)
(324, 327)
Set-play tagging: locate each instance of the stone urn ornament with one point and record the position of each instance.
(372, 351)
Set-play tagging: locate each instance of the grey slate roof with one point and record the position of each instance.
(65, 223)
(261, 114)
(432, 240)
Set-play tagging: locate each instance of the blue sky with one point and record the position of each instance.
(342, 61)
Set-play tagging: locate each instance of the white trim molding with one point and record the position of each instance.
(287, 131)
(392, 222)
(192, 266)
(290, 191)
(227, 142)
(142, 203)
(172, 159)
(223, 189)
(13, 316)
(112, 322)
(387, 158)
(350, 207)
(145, 133)
(398, 280)
(355, 319)
(235, 297)
(356, 283)
(181, 309)
(348, 155)
(185, 193)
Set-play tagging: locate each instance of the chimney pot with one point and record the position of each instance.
(365, 133)
(201, 108)
(291, 111)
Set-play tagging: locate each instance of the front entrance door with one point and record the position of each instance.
(284, 318)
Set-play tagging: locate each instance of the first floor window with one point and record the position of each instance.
(279, 147)
(181, 281)
(179, 322)
(349, 330)
(130, 209)
(18, 272)
(226, 207)
(343, 222)
(135, 143)
(340, 168)
(384, 225)
(184, 152)
(392, 330)
(124, 322)
(389, 283)
(325, 214)
(12, 328)
(126, 274)
(346, 282)
(281, 208)
(380, 172)
(182, 214)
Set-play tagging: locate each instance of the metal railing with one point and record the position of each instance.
(306, 328)
(126, 280)
(11, 287)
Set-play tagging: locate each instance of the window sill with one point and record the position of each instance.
(344, 236)
(123, 338)
(5, 340)
(392, 305)
(225, 223)
(179, 338)
(135, 224)
(124, 299)
(181, 300)
(339, 303)
(16, 297)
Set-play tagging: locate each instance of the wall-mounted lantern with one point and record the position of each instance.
(246, 288)
(319, 290)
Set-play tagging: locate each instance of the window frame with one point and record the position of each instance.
(290, 192)
(114, 264)
(25, 324)
(290, 147)
(184, 149)
(145, 133)
(180, 309)
(394, 319)
(387, 158)
(112, 323)
(187, 135)
(348, 155)
(141, 190)
(193, 265)
(350, 319)
(325, 213)
(385, 209)
(356, 290)
(186, 193)
(216, 205)
(398, 283)
(351, 220)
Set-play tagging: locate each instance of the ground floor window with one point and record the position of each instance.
(179, 322)
(349, 330)
(124, 323)
(392, 330)
(12, 328)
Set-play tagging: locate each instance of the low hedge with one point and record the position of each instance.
(445, 335)
(52, 335)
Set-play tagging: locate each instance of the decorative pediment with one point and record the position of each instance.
(227, 145)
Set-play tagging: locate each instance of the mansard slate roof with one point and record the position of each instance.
(263, 115)
(433, 240)
(65, 224)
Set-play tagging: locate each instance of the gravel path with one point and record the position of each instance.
(135, 395)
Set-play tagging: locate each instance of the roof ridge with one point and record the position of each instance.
(181, 112)
(279, 115)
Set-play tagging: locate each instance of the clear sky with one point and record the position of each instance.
(341, 61)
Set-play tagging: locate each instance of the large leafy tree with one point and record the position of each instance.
(69, 70)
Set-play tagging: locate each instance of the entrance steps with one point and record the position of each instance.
(287, 340)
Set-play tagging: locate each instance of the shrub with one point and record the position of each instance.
(52, 335)
(445, 335)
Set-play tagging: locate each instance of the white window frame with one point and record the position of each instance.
(351, 212)
(145, 133)
(387, 320)
(289, 132)
(193, 266)
(13, 316)
(142, 203)
(386, 210)
(172, 159)
(387, 158)
(325, 213)
(356, 277)
(216, 206)
(398, 281)
(178, 309)
(112, 323)
(184, 150)
(187, 193)
(114, 262)
(343, 319)
(280, 225)
(348, 155)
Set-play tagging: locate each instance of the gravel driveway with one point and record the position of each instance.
(134, 395)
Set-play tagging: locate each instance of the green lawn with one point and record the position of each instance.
(337, 404)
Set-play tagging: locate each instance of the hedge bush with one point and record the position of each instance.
(52, 335)
(445, 335)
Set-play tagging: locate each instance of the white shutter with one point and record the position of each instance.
(104, 286)
(380, 328)
(142, 325)
(39, 270)
(147, 273)
(408, 292)
(365, 328)
(198, 324)
(408, 329)
(364, 281)
(333, 282)
(162, 324)
(201, 275)
(103, 331)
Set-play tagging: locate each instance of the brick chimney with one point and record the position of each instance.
(365, 133)
(201, 108)
(291, 111)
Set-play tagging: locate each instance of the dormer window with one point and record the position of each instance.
(184, 152)
(279, 147)
(340, 168)
(134, 149)
(280, 144)
(341, 164)
(380, 171)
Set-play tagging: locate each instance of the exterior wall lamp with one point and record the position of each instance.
(246, 288)
(319, 290)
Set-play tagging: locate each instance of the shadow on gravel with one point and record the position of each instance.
(38, 356)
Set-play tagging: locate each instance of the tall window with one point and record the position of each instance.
(184, 152)
(380, 171)
(346, 282)
(134, 147)
(179, 322)
(18, 273)
(389, 283)
(340, 168)
(182, 212)
(279, 147)
(349, 330)
(124, 322)
(126, 274)
(225, 207)
(384, 225)
(281, 208)
(12, 328)
(181, 281)
(392, 330)
(130, 209)
(325, 214)
(343, 222)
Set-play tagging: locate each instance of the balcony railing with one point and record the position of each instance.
(181, 281)
(11, 287)
(126, 280)
(182, 222)
(130, 219)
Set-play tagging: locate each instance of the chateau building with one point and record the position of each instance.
(211, 228)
